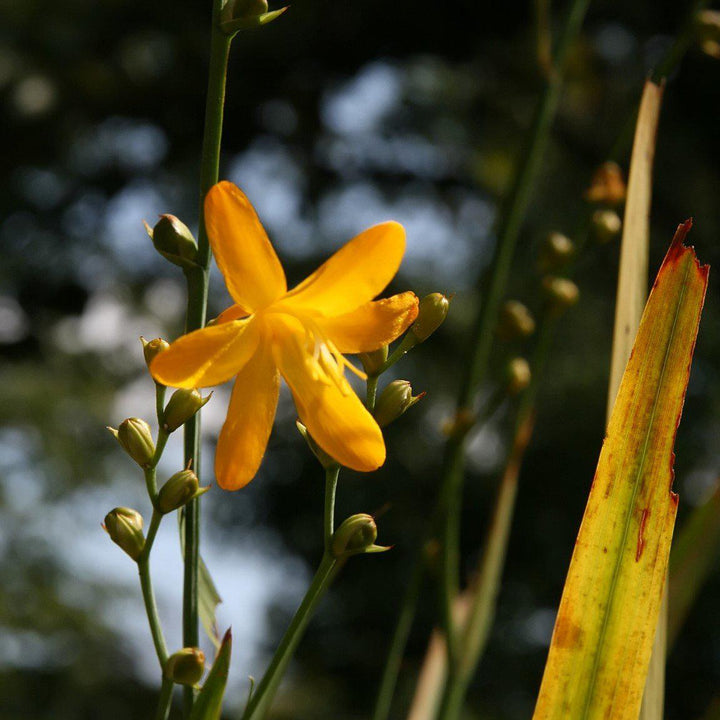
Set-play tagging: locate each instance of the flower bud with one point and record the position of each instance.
(555, 251)
(518, 375)
(607, 225)
(560, 293)
(182, 406)
(136, 439)
(182, 487)
(152, 348)
(394, 400)
(607, 186)
(373, 361)
(515, 321)
(355, 536)
(243, 9)
(432, 311)
(124, 526)
(186, 666)
(174, 241)
(707, 24)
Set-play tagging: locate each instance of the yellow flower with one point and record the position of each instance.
(299, 334)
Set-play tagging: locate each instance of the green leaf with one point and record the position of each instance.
(208, 704)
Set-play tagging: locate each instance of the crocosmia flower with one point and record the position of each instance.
(301, 334)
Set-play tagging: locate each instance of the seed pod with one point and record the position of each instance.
(174, 241)
(135, 437)
(432, 311)
(518, 375)
(182, 487)
(395, 400)
(152, 348)
(182, 406)
(355, 536)
(560, 293)
(555, 251)
(186, 666)
(607, 225)
(516, 321)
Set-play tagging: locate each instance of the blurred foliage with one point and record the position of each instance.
(339, 115)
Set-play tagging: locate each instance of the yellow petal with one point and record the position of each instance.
(244, 436)
(234, 312)
(372, 325)
(208, 356)
(355, 274)
(325, 402)
(253, 274)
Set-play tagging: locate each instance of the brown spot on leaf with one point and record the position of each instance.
(567, 634)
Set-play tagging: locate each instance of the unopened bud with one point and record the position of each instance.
(707, 23)
(182, 487)
(556, 251)
(174, 241)
(561, 293)
(432, 311)
(373, 361)
(518, 375)
(515, 321)
(243, 9)
(152, 348)
(124, 526)
(607, 225)
(355, 535)
(182, 406)
(607, 186)
(136, 439)
(186, 666)
(394, 400)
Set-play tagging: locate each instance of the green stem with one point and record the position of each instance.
(331, 480)
(481, 338)
(160, 402)
(197, 285)
(148, 593)
(408, 342)
(372, 384)
(259, 704)
(399, 640)
(165, 700)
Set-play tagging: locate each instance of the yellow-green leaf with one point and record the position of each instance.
(208, 705)
(606, 622)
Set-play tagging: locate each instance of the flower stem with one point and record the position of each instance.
(372, 384)
(148, 593)
(165, 700)
(259, 704)
(481, 339)
(197, 286)
(331, 480)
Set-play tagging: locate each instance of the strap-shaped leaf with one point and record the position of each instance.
(208, 705)
(606, 622)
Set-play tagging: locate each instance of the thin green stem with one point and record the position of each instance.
(331, 480)
(160, 402)
(399, 640)
(148, 593)
(259, 704)
(197, 285)
(408, 342)
(371, 395)
(165, 699)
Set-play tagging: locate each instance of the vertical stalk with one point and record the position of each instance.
(165, 701)
(481, 338)
(143, 564)
(331, 480)
(197, 287)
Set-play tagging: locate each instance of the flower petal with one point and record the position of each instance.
(372, 325)
(234, 312)
(325, 402)
(208, 356)
(355, 274)
(245, 434)
(252, 271)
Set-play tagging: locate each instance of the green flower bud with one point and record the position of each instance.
(182, 406)
(560, 293)
(152, 348)
(394, 400)
(516, 321)
(246, 14)
(174, 241)
(124, 526)
(325, 460)
(373, 361)
(355, 536)
(606, 225)
(518, 375)
(432, 311)
(186, 666)
(556, 251)
(182, 487)
(136, 439)
(242, 9)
